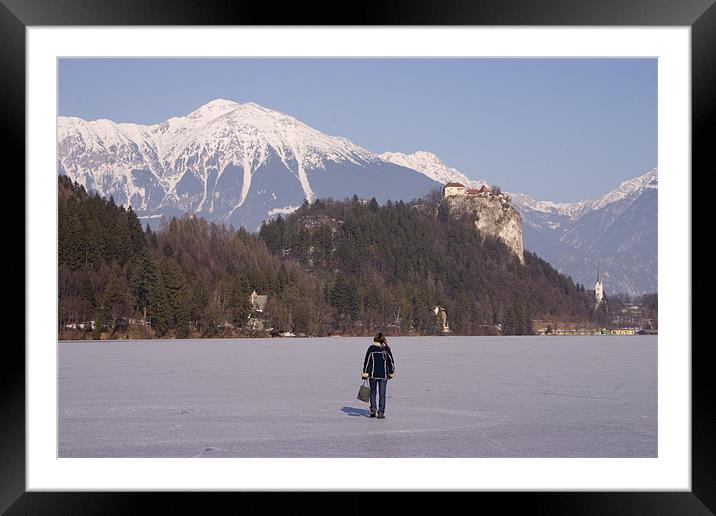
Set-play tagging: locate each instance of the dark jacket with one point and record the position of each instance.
(378, 363)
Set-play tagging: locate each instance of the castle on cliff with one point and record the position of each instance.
(460, 189)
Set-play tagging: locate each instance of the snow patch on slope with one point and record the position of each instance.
(282, 211)
(630, 188)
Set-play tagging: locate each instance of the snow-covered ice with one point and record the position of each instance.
(452, 397)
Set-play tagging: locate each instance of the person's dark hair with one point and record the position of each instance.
(380, 339)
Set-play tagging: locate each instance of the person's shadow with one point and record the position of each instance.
(352, 411)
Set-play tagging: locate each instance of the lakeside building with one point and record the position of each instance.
(258, 302)
(441, 314)
(575, 331)
(624, 331)
(566, 331)
(257, 321)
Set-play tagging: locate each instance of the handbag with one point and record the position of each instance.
(364, 392)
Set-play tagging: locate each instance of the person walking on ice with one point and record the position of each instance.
(378, 367)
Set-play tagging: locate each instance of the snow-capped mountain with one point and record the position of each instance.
(229, 162)
(617, 232)
(628, 189)
(429, 164)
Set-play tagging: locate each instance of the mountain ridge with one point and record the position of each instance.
(429, 164)
(222, 161)
(625, 189)
(242, 163)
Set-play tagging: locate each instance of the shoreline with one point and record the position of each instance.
(190, 339)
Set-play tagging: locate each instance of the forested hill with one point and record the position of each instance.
(191, 278)
(347, 266)
(391, 265)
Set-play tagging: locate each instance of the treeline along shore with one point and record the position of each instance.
(349, 267)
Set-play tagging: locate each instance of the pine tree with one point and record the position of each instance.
(114, 302)
(343, 296)
(97, 323)
(142, 279)
(240, 304)
(87, 291)
(509, 322)
(160, 311)
(177, 295)
(525, 319)
(123, 245)
(136, 233)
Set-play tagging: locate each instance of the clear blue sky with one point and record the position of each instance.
(556, 129)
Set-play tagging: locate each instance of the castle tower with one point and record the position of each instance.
(598, 288)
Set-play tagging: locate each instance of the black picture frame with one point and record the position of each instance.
(17, 15)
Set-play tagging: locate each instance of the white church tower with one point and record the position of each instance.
(599, 288)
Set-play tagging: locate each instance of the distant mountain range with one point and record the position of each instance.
(617, 233)
(228, 162)
(240, 164)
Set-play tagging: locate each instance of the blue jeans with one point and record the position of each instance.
(375, 384)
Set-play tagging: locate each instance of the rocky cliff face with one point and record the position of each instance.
(493, 216)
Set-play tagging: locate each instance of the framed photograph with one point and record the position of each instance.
(220, 214)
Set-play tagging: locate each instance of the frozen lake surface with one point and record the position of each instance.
(451, 397)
